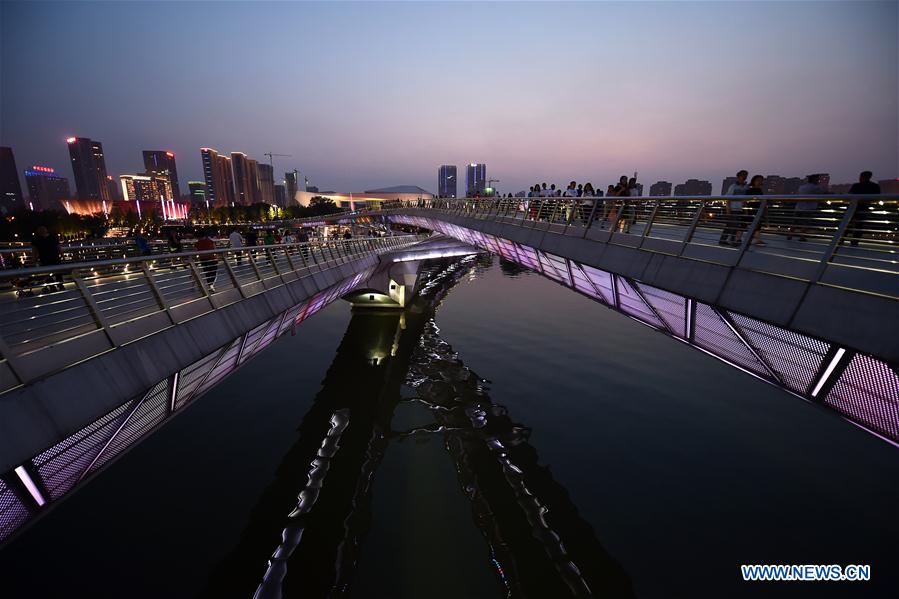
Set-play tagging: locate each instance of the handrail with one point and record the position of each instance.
(62, 315)
(847, 241)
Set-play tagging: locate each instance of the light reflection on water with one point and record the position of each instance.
(649, 454)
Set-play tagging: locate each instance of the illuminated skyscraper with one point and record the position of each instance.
(162, 162)
(476, 179)
(11, 198)
(244, 178)
(89, 167)
(265, 183)
(146, 188)
(197, 194)
(219, 178)
(46, 191)
(446, 181)
(280, 196)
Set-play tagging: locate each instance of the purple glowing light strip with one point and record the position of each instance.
(29, 484)
(830, 368)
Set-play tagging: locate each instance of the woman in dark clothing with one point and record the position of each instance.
(755, 189)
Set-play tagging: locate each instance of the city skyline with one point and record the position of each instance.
(584, 110)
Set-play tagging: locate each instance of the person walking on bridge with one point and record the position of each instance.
(733, 210)
(236, 242)
(208, 262)
(864, 187)
(45, 250)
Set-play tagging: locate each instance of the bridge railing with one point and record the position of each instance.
(22, 256)
(842, 240)
(60, 315)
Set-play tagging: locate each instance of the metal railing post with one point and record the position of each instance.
(92, 306)
(199, 277)
(753, 227)
(160, 299)
(232, 275)
(837, 238)
(692, 227)
(6, 354)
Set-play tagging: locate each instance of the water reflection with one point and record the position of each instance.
(306, 530)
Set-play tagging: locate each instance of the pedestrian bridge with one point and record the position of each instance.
(115, 328)
(830, 272)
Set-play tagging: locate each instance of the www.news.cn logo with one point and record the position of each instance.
(805, 572)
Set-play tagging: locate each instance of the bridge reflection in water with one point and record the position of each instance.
(305, 533)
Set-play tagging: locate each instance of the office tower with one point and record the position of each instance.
(889, 186)
(265, 178)
(281, 196)
(11, 198)
(446, 181)
(145, 188)
(638, 190)
(113, 188)
(162, 163)
(291, 182)
(245, 184)
(693, 187)
(46, 190)
(476, 179)
(197, 190)
(660, 188)
(219, 178)
(89, 167)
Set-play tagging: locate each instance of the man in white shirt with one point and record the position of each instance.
(236, 242)
(734, 208)
(805, 211)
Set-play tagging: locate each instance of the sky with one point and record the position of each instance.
(366, 95)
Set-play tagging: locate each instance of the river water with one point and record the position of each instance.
(503, 437)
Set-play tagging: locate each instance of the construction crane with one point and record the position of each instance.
(271, 160)
(489, 186)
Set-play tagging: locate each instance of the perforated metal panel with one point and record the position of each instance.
(793, 356)
(671, 307)
(224, 367)
(527, 257)
(868, 392)
(554, 267)
(631, 303)
(582, 283)
(13, 513)
(602, 281)
(62, 465)
(149, 414)
(713, 334)
(190, 377)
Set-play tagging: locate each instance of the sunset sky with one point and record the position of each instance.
(367, 95)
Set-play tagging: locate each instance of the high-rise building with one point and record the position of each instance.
(219, 178)
(476, 180)
(113, 188)
(265, 179)
(145, 188)
(446, 181)
(777, 185)
(638, 190)
(89, 167)
(660, 189)
(46, 191)
(197, 190)
(162, 163)
(840, 188)
(244, 178)
(11, 198)
(693, 187)
(281, 196)
(824, 180)
(291, 183)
